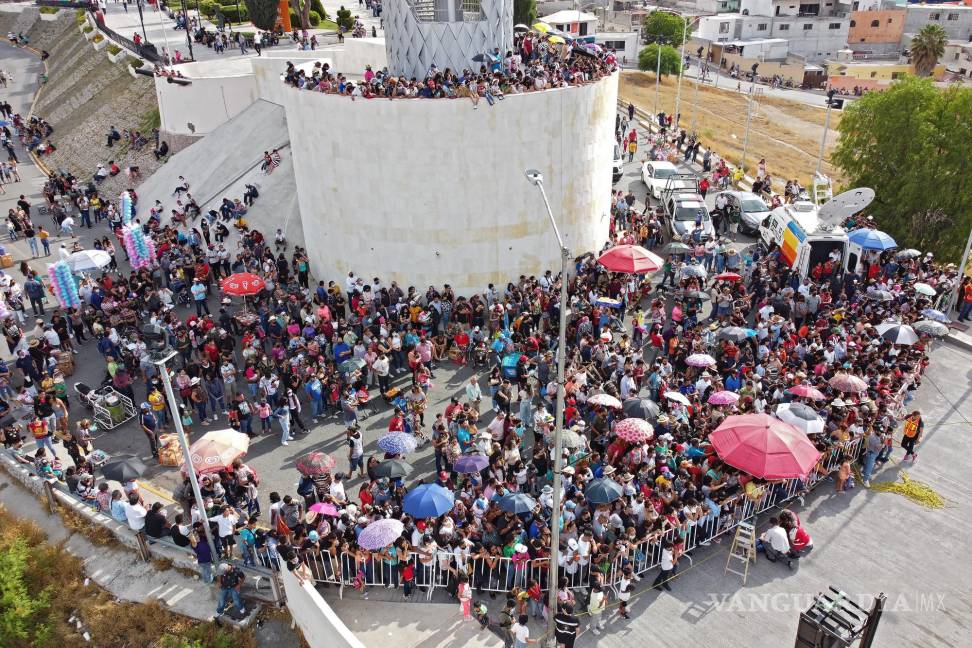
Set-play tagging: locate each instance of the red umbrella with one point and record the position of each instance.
(632, 259)
(847, 383)
(242, 284)
(807, 391)
(728, 276)
(764, 446)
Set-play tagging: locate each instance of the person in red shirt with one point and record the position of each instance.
(397, 423)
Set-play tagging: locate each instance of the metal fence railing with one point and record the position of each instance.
(146, 50)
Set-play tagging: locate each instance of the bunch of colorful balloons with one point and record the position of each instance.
(64, 285)
(141, 250)
(127, 208)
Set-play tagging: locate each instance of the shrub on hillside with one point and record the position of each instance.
(314, 18)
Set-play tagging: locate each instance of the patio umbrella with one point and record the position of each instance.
(801, 416)
(677, 247)
(936, 315)
(724, 398)
(700, 360)
(634, 430)
(693, 270)
(925, 289)
(764, 446)
(910, 253)
(872, 239)
(897, 333)
(807, 391)
(603, 491)
(324, 508)
(315, 463)
(470, 463)
(631, 259)
(643, 408)
(216, 450)
(879, 295)
(571, 439)
(88, 260)
(428, 501)
(520, 27)
(607, 302)
(847, 383)
(678, 397)
(242, 284)
(393, 469)
(380, 534)
(123, 469)
(398, 443)
(351, 364)
(604, 400)
(728, 276)
(931, 327)
(733, 334)
(517, 503)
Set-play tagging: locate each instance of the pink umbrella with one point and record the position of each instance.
(764, 447)
(700, 360)
(634, 430)
(632, 259)
(807, 391)
(723, 398)
(324, 508)
(604, 400)
(847, 383)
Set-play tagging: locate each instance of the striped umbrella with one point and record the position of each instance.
(801, 416)
(896, 333)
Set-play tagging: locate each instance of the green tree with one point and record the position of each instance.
(21, 614)
(345, 19)
(263, 13)
(302, 8)
(671, 60)
(665, 28)
(927, 47)
(525, 12)
(911, 144)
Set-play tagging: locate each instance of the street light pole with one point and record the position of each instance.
(749, 121)
(536, 178)
(141, 19)
(185, 17)
(165, 38)
(658, 47)
(681, 70)
(823, 140)
(177, 421)
(695, 96)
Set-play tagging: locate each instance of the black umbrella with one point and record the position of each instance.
(643, 408)
(583, 51)
(603, 491)
(124, 469)
(733, 333)
(479, 58)
(393, 469)
(517, 503)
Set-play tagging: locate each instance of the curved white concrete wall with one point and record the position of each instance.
(432, 191)
(220, 90)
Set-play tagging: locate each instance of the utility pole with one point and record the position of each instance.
(681, 69)
(185, 18)
(658, 47)
(141, 19)
(695, 96)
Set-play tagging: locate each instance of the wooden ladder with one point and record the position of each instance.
(743, 549)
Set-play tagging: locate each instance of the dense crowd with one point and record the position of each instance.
(305, 352)
(535, 63)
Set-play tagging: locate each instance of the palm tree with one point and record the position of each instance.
(927, 47)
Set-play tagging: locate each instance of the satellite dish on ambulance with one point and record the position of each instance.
(834, 211)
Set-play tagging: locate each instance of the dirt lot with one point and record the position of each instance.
(786, 133)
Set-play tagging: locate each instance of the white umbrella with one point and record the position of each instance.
(925, 289)
(88, 260)
(678, 397)
(604, 400)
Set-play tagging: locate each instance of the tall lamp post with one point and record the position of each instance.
(823, 140)
(160, 361)
(658, 47)
(141, 19)
(681, 69)
(185, 18)
(158, 10)
(536, 179)
(749, 119)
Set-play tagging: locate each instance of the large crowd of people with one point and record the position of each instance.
(306, 352)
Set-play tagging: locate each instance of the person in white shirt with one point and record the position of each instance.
(227, 527)
(473, 392)
(135, 513)
(337, 489)
(667, 567)
(774, 541)
(521, 632)
(629, 388)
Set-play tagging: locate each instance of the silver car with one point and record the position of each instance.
(752, 209)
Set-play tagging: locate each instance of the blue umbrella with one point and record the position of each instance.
(397, 443)
(936, 315)
(428, 501)
(872, 239)
(517, 503)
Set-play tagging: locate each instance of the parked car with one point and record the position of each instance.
(752, 209)
(618, 164)
(683, 211)
(656, 173)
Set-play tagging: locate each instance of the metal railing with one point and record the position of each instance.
(146, 50)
